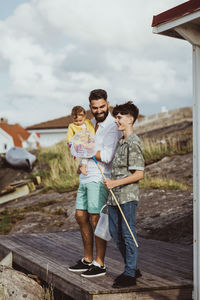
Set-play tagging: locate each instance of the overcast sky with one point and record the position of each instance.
(53, 53)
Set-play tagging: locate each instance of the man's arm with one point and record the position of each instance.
(110, 142)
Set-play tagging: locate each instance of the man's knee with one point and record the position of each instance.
(94, 219)
(82, 217)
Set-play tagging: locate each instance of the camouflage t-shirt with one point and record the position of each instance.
(128, 158)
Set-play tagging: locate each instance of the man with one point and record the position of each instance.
(92, 194)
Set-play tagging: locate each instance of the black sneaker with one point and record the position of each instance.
(95, 270)
(124, 281)
(137, 275)
(80, 266)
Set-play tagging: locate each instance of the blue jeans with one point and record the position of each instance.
(121, 235)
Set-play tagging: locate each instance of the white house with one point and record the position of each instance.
(51, 132)
(6, 141)
(14, 135)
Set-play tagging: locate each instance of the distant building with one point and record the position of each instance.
(14, 135)
(54, 131)
(164, 109)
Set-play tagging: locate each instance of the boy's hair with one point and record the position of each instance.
(127, 108)
(97, 94)
(77, 110)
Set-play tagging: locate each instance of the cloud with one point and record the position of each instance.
(54, 52)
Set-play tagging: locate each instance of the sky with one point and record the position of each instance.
(53, 53)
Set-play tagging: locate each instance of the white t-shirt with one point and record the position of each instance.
(107, 136)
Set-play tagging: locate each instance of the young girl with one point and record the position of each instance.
(79, 123)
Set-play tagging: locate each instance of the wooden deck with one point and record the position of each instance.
(166, 268)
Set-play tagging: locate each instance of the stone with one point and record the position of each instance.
(15, 285)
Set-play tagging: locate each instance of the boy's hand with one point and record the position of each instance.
(109, 183)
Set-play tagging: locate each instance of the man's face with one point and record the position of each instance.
(99, 108)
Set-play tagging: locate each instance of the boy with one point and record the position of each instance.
(79, 123)
(127, 170)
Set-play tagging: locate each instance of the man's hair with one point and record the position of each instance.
(127, 108)
(77, 110)
(97, 94)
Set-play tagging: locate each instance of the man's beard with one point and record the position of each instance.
(102, 118)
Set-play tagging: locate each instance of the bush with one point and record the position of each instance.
(155, 150)
(62, 172)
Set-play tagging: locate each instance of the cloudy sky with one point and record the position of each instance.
(53, 53)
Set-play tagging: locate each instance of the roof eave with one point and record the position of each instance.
(166, 27)
(186, 27)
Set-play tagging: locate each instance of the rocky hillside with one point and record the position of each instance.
(162, 214)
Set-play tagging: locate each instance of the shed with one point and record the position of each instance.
(183, 22)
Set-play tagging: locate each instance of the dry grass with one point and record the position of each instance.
(154, 150)
(162, 184)
(62, 173)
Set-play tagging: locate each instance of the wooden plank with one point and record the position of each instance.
(17, 193)
(49, 271)
(173, 294)
(7, 260)
(45, 255)
(58, 255)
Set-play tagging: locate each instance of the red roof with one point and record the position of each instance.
(18, 133)
(62, 122)
(176, 12)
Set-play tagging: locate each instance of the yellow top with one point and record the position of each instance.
(73, 129)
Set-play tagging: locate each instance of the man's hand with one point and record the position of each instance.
(109, 183)
(79, 170)
(82, 169)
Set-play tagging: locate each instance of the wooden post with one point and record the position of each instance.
(196, 169)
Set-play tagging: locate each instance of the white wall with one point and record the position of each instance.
(49, 137)
(31, 142)
(6, 141)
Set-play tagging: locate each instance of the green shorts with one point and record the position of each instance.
(91, 197)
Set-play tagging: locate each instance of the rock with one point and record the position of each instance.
(177, 167)
(15, 285)
(170, 218)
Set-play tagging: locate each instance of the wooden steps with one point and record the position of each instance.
(166, 268)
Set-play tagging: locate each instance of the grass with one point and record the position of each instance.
(48, 293)
(162, 184)
(61, 171)
(154, 151)
(9, 217)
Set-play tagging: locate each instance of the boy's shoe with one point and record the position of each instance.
(95, 270)
(137, 275)
(124, 281)
(80, 266)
